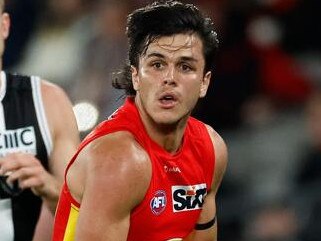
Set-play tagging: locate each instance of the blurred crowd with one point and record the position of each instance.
(265, 98)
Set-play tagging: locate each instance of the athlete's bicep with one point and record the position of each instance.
(117, 177)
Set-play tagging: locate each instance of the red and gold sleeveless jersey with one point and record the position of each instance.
(177, 188)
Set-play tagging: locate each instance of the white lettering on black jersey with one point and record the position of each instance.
(18, 140)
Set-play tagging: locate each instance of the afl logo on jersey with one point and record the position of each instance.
(158, 202)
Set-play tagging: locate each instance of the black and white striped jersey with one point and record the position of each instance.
(23, 128)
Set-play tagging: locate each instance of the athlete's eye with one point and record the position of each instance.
(185, 67)
(157, 65)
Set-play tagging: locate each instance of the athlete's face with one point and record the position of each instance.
(170, 78)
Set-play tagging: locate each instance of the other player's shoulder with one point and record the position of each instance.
(52, 91)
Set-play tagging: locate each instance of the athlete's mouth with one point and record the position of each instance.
(168, 99)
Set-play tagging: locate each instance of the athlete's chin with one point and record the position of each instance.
(170, 117)
(165, 123)
(167, 119)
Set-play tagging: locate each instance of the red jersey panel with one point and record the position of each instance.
(177, 189)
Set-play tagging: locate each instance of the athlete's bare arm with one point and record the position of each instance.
(115, 173)
(209, 207)
(44, 226)
(65, 137)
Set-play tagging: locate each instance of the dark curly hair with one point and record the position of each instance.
(164, 18)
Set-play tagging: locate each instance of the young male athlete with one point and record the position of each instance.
(151, 172)
(38, 135)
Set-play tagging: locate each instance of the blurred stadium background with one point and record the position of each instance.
(265, 98)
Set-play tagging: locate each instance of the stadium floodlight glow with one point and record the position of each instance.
(86, 115)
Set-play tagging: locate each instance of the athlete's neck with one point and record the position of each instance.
(168, 136)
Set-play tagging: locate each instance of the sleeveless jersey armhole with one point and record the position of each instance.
(40, 112)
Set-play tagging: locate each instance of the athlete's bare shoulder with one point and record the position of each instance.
(117, 159)
(59, 112)
(221, 156)
(51, 90)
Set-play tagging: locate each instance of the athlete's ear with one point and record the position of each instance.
(135, 78)
(205, 83)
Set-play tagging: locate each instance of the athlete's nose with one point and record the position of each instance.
(169, 76)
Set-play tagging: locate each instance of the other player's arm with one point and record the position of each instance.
(27, 169)
(65, 137)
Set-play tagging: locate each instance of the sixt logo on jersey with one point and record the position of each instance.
(158, 202)
(186, 198)
(22, 139)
